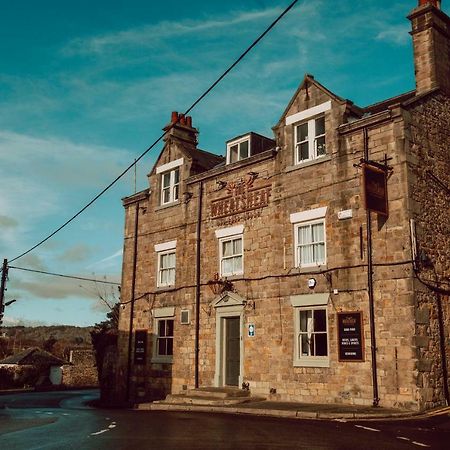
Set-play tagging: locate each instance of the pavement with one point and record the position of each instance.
(297, 410)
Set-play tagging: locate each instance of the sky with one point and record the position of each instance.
(87, 86)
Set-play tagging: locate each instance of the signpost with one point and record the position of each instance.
(350, 336)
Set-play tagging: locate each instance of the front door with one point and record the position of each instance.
(232, 350)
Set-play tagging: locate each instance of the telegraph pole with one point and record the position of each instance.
(3, 288)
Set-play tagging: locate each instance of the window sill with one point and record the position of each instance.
(162, 360)
(168, 205)
(236, 276)
(310, 269)
(166, 288)
(312, 363)
(308, 163)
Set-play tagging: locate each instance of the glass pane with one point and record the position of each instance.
(164, 261)
(166, 195)
(169, 347)
(306, 256)
(166, 179)
(321, 344)
(164, 279)
(234, 153)
(319, 253)
(304, 235)
(237, 266)
(161, 347)
(227, 248)
(227, 266)
(320, 320)
(302, 132)
(237, 246)
(176, 190)
(303, 151)
(305, 316)
(317, 232)
(171, 276)
(243, 150)
(320, 146)
(169, 327)
(176, 176)
(161, 328)
(320, 126)
(304, 345)
(171, 260)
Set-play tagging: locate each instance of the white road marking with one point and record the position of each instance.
(49, 413)
(99, 432)
(112, 425)
(340, 420)
(66, 414)
(419, 444)
(404, 438)
(367, 428)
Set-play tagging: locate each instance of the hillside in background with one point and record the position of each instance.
(58, 339)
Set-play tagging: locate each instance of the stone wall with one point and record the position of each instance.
(83, 371)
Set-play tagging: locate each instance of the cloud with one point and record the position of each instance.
(77, 253)
(394, 34)
(108, 261)
(8, 222)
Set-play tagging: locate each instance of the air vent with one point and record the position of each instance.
(185, 319)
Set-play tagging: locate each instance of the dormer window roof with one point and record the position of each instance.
(247, 145)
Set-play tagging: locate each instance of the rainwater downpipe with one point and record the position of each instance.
(133, 296)
(197, 282)
(373, 344)
(442, 348)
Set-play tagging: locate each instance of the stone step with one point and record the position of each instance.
(182, 399)
(217, 392)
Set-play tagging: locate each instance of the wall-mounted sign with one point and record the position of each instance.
(375, 189)
(350, 336)
(242, 199)
(251, 329)
(140, 347)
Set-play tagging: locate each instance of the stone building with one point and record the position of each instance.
(313, 266)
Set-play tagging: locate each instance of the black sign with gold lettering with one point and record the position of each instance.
(140, 347)
(375, 189)
(350, 336)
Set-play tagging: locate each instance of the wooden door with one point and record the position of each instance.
(232, 351)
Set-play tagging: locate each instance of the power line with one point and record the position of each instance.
(199, 99)
(64, 276)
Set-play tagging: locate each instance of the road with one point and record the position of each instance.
(61, 420)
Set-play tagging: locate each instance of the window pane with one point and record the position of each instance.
(233, 153)
(227, 248)
(304, 345)
(169, 347)
(243, 150)
(305, 317)
(171, 260)
(319, 253)
(176, 190)
(320, 146)
(320, 320)
(321, 344)
(166, 179)
(227, 266)
(306, 256)
(161, 328)
(237, 264)
(176, 176)
(169, 327)
(166, 195)
(302, 132)
(237, 246)
(303, 151)
(161, 347)
(317, 232)
(320, 126)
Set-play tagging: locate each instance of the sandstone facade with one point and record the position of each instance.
(274, 245)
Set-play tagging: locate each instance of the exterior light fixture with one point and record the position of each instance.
(217, 285)
(312, 283)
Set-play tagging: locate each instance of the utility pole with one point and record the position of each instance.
(3, 288)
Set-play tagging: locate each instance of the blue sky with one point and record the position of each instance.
(88, 85)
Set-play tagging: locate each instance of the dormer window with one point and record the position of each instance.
(238, 149)
(170, 181)
(310, 140)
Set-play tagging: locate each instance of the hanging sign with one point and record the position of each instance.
(350, 336)
(140, 347)
(375, 189)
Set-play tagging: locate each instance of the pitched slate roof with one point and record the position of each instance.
(203, 160)
(34, 357)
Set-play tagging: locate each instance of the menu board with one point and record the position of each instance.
(140, 347)
(350, 336)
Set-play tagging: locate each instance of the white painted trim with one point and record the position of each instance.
(311, 214)
(168, 311)
(309, 299)
(165, 246)
(170, 165)
(307, 113)
(230, 231)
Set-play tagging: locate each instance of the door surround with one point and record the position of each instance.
(228, 304)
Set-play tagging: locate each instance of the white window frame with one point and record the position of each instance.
(161, 250)
(173, 188)
(311, 139)
(313, 302)
(238, 142)
(314, 263)
(309, 218)
(156, 357)
(222, 258)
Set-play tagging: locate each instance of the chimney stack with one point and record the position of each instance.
(181, 127)
(431, 42)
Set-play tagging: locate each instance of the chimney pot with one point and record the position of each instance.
(174, 118)
(435, 3)
(182, 119)
(189, 121)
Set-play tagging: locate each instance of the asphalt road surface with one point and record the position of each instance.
(61, 420)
